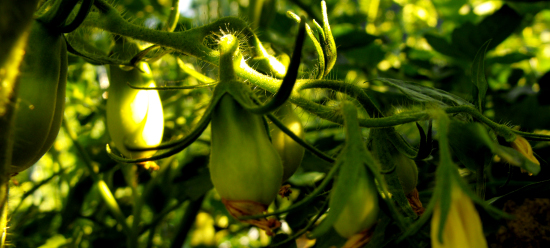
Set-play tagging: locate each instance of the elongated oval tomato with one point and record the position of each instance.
(291, 152)
(244, 165)
(361, 210)
(407, 172)
(134, 117)
(41, 96)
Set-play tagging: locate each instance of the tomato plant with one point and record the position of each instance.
(269, 123)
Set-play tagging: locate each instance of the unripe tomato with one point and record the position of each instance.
(291, 152)
(41, 97)
(244, 165)
(407, 172)
(361, 210)
(389, 157)
(134, 117)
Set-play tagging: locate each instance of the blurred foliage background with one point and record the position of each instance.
(432, 42)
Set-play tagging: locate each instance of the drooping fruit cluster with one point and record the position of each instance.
(245, 168)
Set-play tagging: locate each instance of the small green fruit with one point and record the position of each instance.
(245, 168)
(244, 165)
(407, 172)
(361, 210)
(291, 152)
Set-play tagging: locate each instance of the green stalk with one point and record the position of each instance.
(83, 153)
(255, 12)
(130, 176)
(188, 42)
(480, 182)
(104, 190)
(197, 75)
(187, 222)
(502, 130)
(4, 214)
(114, 208)
(174, 16)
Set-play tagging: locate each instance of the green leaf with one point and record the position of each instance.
(467, 38)
(77, 195)
(462, 41)
(508, 58)
(529, 7)
(478, 76)
(348, 37)
(368, 56)
(329, 46)
(497, 27)
(424, 94)
(441, 45)
(321, 56)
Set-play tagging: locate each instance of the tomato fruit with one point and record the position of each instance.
(41, 97)
(134, 117)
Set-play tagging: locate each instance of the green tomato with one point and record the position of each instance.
(134, 117)
(361, 210)
(244, 165)
(41, 97)
(387, 155)
(407, 172)
(291, 152)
